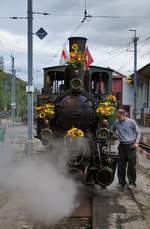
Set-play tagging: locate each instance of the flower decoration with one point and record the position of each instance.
(106, 109)
(130, 80)
(111, 98)
(75, 132)
(76, 57)
(45, 111)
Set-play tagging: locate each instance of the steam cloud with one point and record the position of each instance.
(42, 189)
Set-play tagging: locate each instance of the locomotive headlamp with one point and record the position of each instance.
(105, 123)
(102, 134)
(46, 134)
(46, 123)
(76, 84)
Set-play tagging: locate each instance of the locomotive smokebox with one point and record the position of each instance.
(81, 43)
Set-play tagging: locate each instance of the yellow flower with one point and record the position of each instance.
(76, 57)
(79, 59)
(74, 132)
(98, 110)
(38, 108)
(112, 108)
(48, 105)
(74, 46)
(130, 80)
(105, 103)
(42, 115)
(111, 98)
(80, 133)
(105, 110)
(71, 61)
(71, 133)
(107, 113)
(74, 129)
(45, 110)
(72, 54)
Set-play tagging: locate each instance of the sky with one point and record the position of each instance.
(107, 30)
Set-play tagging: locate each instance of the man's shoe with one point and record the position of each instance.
(121, 186)
(131, 186)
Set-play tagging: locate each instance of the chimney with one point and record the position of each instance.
(81, 42)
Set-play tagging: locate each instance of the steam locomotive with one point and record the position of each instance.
(76, 105)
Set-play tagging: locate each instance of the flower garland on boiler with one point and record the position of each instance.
(45, 111)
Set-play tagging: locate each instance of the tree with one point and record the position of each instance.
(2, 97)
(1, 63)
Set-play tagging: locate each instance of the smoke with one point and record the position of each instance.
(40, 184)
(46, 194)
(64, 150)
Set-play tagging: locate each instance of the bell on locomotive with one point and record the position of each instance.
(76, 105)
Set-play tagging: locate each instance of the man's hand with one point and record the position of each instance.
(135, 145)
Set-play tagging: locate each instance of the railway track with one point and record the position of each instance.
(103, 209)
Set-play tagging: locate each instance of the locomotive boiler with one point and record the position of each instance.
(76, 105)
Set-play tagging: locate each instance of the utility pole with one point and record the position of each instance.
(13, 97)
(135, 39)
(29, 88)
(41, 33)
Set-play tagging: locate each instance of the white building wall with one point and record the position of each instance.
(143, 103)
(139, 98)
(128, 95)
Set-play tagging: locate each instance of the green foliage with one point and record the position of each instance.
(5, 95)
(21, 99)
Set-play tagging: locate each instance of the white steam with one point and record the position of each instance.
(39, 183)
(46, 194)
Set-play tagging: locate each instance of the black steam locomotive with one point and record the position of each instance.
(76, 105)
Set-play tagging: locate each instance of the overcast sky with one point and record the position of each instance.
(109, 39)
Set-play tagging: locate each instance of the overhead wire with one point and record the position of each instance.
(120, 52)
(78, 15)
(77, 28)
(112, 56)
(138, 49)
(119, 17)
(20, 49)
(4, 45)
(86, 17)
(60, 49)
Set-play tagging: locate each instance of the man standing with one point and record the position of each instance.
(129, 136)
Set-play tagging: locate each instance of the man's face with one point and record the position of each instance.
(121, 117)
